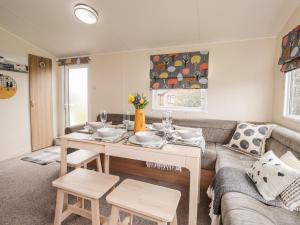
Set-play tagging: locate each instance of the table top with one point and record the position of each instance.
(147, 199)
(89, 183)
(167, 149)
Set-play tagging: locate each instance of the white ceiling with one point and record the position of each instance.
(140, 24)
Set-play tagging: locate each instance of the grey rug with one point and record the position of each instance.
(43, 157)
(28, 198)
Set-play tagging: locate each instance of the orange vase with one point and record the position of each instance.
(139, 121)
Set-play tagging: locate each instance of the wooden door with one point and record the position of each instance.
(40, 90)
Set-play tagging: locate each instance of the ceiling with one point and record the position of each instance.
(140, 24)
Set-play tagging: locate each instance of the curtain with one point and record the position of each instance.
(73, 61)
(187, 70)
(290, 56)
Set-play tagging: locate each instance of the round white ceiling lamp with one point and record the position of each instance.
(86, 13)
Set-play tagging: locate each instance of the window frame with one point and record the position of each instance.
(287, 97)
(179, 109)
(66, 109)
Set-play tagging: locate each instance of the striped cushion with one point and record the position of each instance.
(291, 196)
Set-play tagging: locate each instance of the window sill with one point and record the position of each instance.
(292, 118)
(180, 110)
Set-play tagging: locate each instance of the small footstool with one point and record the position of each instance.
(152, 202)
(84, 184)
(80, 158)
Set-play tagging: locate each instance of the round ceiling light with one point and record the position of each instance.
(86, 13)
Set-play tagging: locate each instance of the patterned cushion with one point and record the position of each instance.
(251, 138)
(272, 176)
(291, 195)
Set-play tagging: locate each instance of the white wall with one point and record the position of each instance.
(278, 98)
(240, 80)
(14, 112)
(15, 117)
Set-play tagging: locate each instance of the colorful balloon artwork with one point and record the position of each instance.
(8, 87)
(188, 70)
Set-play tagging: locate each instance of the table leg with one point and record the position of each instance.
(63, 157)
(106, 164)
(193, 165)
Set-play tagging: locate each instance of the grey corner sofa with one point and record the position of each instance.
(236, 208)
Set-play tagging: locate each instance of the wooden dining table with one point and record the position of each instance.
(176, 155)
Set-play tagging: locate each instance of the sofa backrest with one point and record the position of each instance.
(283, 140)
(221, 131)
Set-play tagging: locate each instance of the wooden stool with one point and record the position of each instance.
(149, 201)
(84, 184)
(81, 158)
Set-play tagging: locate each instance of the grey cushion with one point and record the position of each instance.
(229, 158)
(240, 209)
(289, 140)
(278, 148)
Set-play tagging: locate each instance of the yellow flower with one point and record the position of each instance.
(142, 101)
(130, 99)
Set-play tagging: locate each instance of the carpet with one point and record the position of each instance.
(28, 198)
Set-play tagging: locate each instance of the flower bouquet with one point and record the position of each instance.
(139, 102)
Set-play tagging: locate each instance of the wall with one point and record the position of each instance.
(240, 80)
(278, 98)
(14, 119)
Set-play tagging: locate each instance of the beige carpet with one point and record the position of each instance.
(27, 197)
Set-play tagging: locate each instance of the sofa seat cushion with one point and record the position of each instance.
(229, 158)
(240, 209)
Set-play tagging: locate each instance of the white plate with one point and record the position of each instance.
(155, 141)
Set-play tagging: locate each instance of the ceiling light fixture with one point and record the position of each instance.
(86, 13)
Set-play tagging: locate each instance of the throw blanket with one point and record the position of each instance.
(230, 179)
(234, 180)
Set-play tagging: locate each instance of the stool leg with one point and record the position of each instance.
(95, 212)
(59, 207)
(162, 223)
(174, 222)
(85, 165)
(99, 166)
(114, 216)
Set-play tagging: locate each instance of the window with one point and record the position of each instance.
(76, 95)
(292, 95)
(180, 99)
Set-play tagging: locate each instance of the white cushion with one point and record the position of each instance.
(271, 176)
(291, 160)
(251, 138)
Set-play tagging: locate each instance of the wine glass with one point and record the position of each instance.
(126, 120)
(170, 121)
(165, 122)
(103, 117)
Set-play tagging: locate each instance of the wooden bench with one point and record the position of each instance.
(152, 202)
(84, 184)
